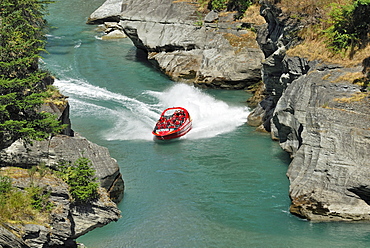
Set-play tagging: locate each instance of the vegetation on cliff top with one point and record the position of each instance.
(30, 205)
(338, 32)
(25, 198)
(335, 31)
(22, 84)
(80, 177)
(239, 6)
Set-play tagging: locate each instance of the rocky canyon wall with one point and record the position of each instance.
(322, 119)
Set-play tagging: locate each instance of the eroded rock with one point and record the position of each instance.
(187, 45)
(322, 124)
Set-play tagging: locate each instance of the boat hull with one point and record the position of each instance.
(174, 134)
(173, 123)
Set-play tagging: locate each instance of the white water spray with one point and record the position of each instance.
(210, 116)
(134, 120)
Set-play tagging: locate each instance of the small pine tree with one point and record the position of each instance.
(81, 180)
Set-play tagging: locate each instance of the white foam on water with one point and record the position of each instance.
(134, 120)
(210, 116)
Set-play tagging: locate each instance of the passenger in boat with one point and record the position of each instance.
(162, 119)
(171, 124)
(178, 113)
(161, 123)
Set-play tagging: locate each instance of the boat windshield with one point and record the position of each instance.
(172, 112)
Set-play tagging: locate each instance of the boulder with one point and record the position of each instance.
(112, 30)
(109, 11)
(188, 45)
(212, 16)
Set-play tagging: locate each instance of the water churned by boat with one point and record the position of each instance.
(134, 118)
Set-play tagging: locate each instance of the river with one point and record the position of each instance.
(221, 185)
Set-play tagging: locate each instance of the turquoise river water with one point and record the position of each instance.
(221, 185)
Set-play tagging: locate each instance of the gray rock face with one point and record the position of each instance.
(9, 239)
(328, 135)
(317, 119)
(62, 115)
(187, 47)
(95, 214)
(69, 149)
(68, 220)
(109, 11)
(278, 70)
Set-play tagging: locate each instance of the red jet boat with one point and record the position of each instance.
(173, 123)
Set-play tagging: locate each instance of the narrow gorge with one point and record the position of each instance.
(315, 109)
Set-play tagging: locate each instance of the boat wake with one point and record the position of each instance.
(128, 118)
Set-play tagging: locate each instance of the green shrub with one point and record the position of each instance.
(219, 4)
(23, 206)
(81, 179)
(5, 187)
(16, 207)
(349, 26)
(39, 198)
(5, 184)
(230, 5)
(240, 6)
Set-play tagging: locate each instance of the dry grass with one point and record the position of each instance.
(314, 45)
(348, 77)
(14, 172)
(202, 5)
(244, 40)
(315, 49)
(17, 208)
(356, 97)
(56, 97)
(309, 7)
(188, 2)
(252, 15)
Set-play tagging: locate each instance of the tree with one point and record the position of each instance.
(22, 83)
(81, 179)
